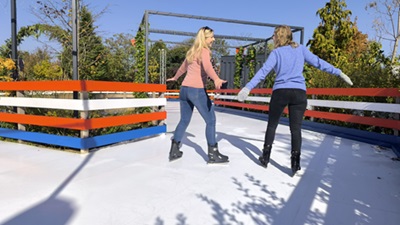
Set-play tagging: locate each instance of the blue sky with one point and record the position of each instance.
(124, 16)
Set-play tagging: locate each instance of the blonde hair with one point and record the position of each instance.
(283, 37)
(199, 43)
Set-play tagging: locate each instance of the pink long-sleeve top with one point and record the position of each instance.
(197, 71)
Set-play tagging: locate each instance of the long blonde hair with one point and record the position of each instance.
(283, 37)
(199, 43)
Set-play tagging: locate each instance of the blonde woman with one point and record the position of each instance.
(289, 89)
(197, 66)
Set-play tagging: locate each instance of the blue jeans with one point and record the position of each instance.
(195, 97)
(296, 100)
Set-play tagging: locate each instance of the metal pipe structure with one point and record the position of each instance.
(218, 19)
(75, 72)
(14, 50)
(145, 20)
(188, 44)
(191, 34)
(75, 48)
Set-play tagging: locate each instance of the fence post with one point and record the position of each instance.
(162, 109)
(154, 109)
(312, 108)
(84, 116)
(20, 111)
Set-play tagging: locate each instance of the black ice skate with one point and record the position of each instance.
(214, 156)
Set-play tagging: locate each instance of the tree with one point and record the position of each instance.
(154, 60)
(55, 17)
(334, 32)
(372, 69)
(32, 59)
(92, 53)
(338, 41)
(45, 70)
(387, 22)
(7, 65)
(154, 51)
(154, 71)
(175, 56)
(331, 41)
(120, 57)
(140, 56)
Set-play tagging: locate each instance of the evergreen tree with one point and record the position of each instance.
(140, 56)
(92, 53)
(334, 32)
(337, 41)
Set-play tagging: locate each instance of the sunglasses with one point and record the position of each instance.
(207, 28)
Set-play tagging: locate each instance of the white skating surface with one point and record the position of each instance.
(341, 182)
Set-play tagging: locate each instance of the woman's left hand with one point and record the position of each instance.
(170, 79)
(218, 83)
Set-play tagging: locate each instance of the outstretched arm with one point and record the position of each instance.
(267, 67)
(321, 64)
(182, 69)
(258, 77)
(208, 68)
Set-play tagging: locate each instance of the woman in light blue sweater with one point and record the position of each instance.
(287, 60)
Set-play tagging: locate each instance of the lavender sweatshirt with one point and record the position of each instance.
(288, 64)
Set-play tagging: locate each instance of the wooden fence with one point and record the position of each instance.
(382, 111)
(83, 105)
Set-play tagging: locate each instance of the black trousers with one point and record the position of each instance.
(296, 101)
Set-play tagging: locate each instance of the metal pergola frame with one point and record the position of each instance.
(145, 21)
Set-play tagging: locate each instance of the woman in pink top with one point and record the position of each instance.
(198, 68)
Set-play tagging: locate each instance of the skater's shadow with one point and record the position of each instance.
(190, 144)
(199, 149)
(283, 169)
(250, 150)
(247, 148)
